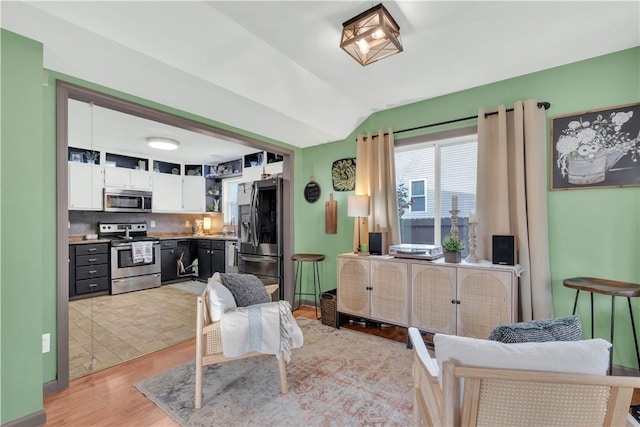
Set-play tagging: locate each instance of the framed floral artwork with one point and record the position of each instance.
(343, 174)
(596, 149)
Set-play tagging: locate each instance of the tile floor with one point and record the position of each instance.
(128, 325)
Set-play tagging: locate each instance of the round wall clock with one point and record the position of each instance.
(312, 192)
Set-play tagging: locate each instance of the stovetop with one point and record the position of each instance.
(125, 233)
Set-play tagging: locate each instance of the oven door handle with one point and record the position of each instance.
(258, 259)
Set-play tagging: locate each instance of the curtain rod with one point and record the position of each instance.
(543, 104)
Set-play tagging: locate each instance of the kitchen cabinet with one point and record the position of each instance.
(88, 270)
(85, 186)
(187, 253)
(172, 251)
(177, 193)
(128, 179)
(167, 192)
(211, 258)
(373, 289)
(193, 192)
(168, 260)
(459, 299)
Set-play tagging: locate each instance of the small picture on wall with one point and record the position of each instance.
(343, 174)
(596, 149)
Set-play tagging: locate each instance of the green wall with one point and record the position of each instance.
(22, 204)
(594, 232)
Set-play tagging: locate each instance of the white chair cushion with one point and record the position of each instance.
(220, 298)
(582, 357)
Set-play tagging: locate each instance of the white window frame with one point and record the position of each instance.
(423, 195)
(227, 203)
(437, 140)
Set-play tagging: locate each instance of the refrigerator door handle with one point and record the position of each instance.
(254, 216)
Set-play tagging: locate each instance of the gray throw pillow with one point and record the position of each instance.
(246, 289)
(561, 329)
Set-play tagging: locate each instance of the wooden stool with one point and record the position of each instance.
(607, 287)
(299, 259)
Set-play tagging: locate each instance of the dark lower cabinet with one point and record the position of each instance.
(172, 251)
(168, 260)
(210, 258)
(88, 270)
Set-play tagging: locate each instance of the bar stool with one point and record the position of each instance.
(299, 259)
(607, 287)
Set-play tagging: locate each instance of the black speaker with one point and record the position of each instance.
(378, 243)
(504, 250)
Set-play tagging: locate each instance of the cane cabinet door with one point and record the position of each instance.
(486, 300)
(389, 292)
(353, 284)
(433, 300)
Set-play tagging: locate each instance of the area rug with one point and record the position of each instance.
(339, 378)
(191, 286)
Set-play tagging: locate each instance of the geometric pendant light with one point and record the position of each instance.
(371, 36)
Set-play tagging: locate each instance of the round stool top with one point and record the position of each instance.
(307, 257)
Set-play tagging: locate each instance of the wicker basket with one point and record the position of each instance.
(328, 303)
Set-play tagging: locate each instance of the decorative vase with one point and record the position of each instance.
(588, 171)
(452, 257)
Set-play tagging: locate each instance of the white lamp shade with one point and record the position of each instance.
(358, 206)
(206, 223)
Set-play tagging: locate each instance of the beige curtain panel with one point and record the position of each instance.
(512, 196)
(376, 177)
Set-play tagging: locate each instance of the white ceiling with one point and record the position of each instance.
(275, 67)
(103, 129)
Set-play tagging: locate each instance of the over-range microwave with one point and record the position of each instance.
(118, 200)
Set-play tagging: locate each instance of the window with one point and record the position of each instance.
(430, 170)
(418, 195)
(229, 197)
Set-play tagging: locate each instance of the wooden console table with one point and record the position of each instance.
(607, 287)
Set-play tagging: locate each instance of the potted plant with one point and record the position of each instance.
(452, 249)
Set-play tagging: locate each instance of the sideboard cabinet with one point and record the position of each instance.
(459, 299)
(373, 289)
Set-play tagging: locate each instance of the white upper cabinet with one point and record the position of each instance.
(193, 190)
(167, 193)
(128, 179)
(86, 183)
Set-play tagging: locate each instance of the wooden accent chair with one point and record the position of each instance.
(508, 397)
(209, 345)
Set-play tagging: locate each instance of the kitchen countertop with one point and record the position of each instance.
(173, 236)
(80, 240)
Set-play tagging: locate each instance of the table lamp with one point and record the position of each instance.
(358, 206)
(206, 224)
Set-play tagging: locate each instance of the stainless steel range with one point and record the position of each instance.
(135, 257)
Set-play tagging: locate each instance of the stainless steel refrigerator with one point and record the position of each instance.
(260, 231)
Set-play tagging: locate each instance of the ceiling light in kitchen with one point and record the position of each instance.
(162, 143)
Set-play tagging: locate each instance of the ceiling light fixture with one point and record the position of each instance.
(162, 143)
(371, 36)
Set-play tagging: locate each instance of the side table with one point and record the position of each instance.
(607, 287)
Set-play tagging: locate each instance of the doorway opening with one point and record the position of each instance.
(66, 91)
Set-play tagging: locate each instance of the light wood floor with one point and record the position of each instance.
(127, 326)
(108, 398)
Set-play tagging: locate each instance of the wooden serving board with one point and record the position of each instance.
(331, 216)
